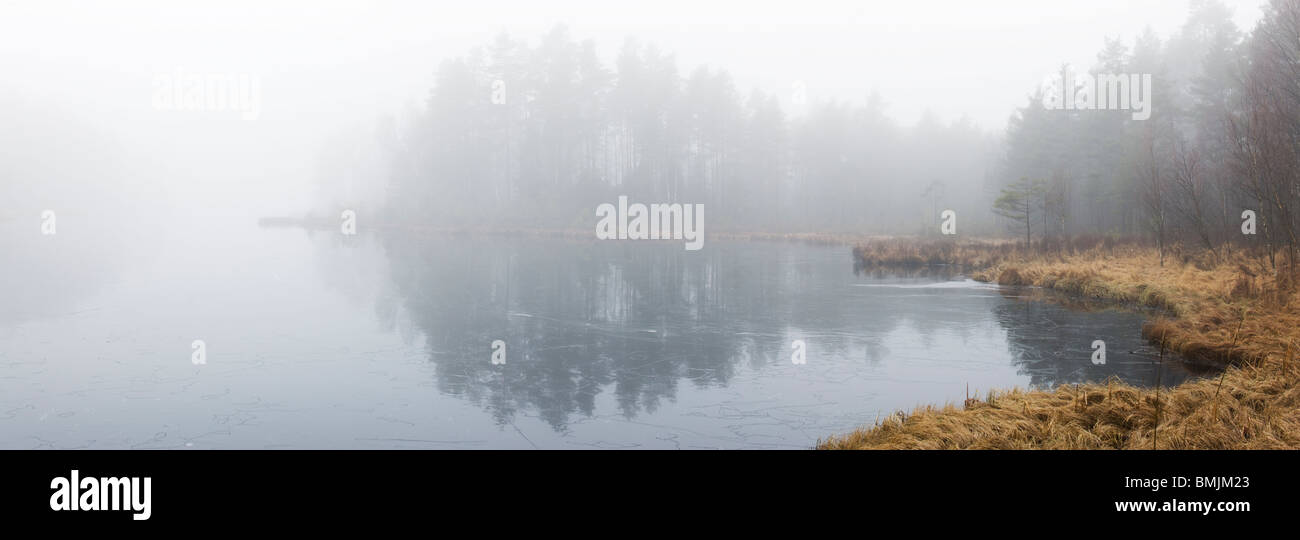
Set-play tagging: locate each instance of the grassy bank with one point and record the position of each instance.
(1233, 311)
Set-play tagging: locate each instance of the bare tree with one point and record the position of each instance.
(1190, 186)
(1154, 191)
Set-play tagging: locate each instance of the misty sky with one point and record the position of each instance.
(328, 67)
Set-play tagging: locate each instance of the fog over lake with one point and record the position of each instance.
(314, 340)
(415, 225)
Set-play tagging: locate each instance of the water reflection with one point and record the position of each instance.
(317, 340)
(1051, 337)
(577, 320)
(49, 275)
(643, 322)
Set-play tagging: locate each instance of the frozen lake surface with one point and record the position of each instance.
(315, 340)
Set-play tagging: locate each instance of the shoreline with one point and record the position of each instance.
(814, 238)
(1233, 314)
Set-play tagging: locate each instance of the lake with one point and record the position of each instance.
(386, 340)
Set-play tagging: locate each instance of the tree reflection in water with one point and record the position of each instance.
(638, 320)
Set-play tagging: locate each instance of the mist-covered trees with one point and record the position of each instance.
(538, 136)
(1223, 137)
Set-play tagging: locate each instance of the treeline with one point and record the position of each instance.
(1223, 138)
(540, 135)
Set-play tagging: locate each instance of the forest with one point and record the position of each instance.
(538, 136)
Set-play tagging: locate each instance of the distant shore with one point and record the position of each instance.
(324, 223)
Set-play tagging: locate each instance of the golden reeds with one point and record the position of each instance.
(1237, 314)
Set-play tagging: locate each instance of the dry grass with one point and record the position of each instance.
(1237, 313)
(1256, 407)
(896, 253)
(822, 238)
